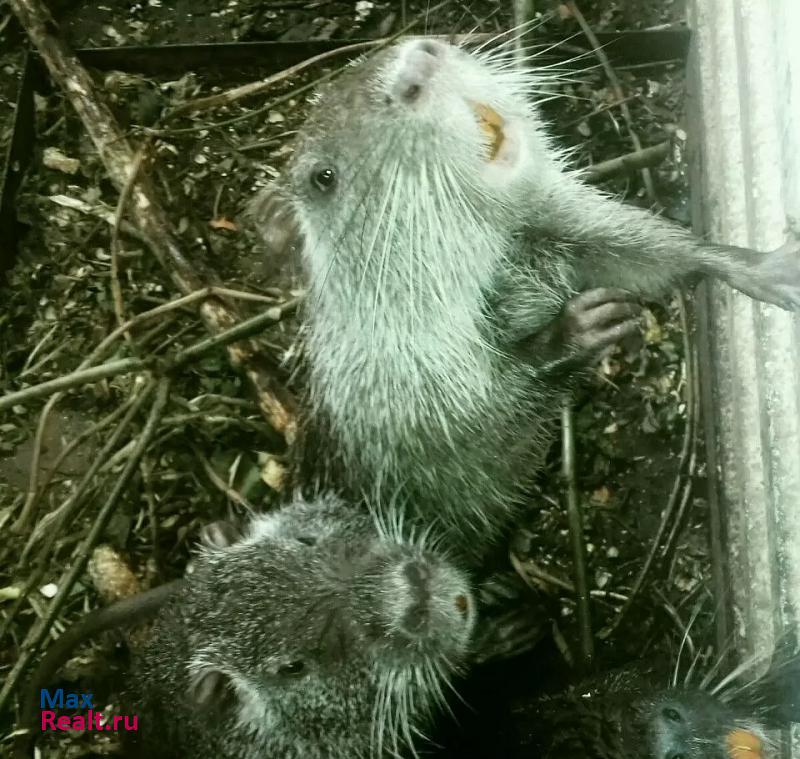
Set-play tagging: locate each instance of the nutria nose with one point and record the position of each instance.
(418, 576)
(419, 62)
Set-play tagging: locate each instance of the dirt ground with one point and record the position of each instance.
(57, 305)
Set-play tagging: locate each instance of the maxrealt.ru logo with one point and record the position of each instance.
(58, 699)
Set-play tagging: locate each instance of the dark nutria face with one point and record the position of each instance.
(688, 724)
(319, 617)
(420, 132)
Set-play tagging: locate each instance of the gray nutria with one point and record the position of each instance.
(642, 712)
(458, 277)
(320, 633)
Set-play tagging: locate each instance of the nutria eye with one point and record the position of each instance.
(324, 179)
(292, 669)
(673, 715)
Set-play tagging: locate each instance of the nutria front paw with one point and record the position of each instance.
(598, 319)
(590, 324)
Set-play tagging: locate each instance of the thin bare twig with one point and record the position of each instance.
(52, 523)
(117, 155)
(240, 331)
(625, 163)
(39, 631)
(686, 464)
(28, 510)
(523, 20)
(575, 519)
(122, 202)
(74, 379)
(693, 417)
(219, 483)
(232, 336)
(35, 490)
(616, 87)
(145, 468)
(250, 89)
(37, 348)
(537, 578)
(253, 88)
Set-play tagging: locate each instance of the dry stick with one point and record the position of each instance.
(685, 462)
(98, 211)
(40, 629)
(535, 577)
(34, 577)
(693, 377)
(152, 511)
(31, 502)
(67, 508)
(615, 86)
(29, 508)
(37, 348)
(35, 491)
(240, 331)
(256, 88)
(523, 16)
(220, 484)
(635, 161)
(597, 111)
(575, 518)
(682, 506)
(228, 97)
(57, 351)
(226, 338)
(122, 202)
(79, 377)
(690, 422)
(147, 214)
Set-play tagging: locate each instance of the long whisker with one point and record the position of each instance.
(518, 30)
(737, 672)
(684, 641)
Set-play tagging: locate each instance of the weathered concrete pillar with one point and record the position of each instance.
(745, 108)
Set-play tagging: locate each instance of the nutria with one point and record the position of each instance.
(322, 632)
(459, 274)
(641, 711)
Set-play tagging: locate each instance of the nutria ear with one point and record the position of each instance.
(210, 689)
(219, 534)
(272, 214)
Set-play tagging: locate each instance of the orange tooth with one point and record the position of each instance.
(742, 744)
(491, 122)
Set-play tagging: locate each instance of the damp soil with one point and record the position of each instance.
(56, 305)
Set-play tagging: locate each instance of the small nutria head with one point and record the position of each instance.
(631, 712)
(421, 147)
(689, 724)
(318, 629)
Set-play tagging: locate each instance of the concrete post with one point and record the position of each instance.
(744, 107)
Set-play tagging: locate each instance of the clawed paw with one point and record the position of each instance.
(597, 319)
